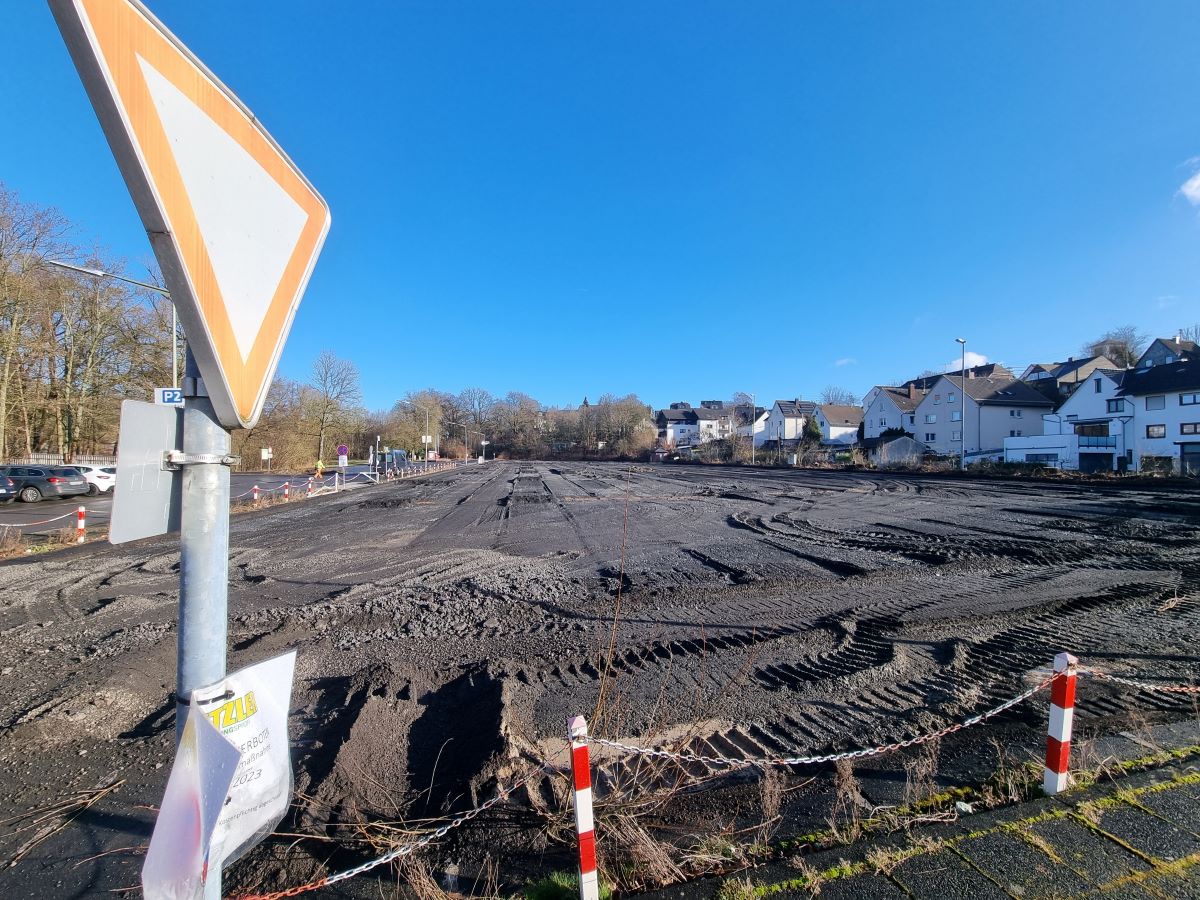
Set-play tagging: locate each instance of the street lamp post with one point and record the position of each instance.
(142, 284)
(424, 444)
(962, 426)
(753, 422)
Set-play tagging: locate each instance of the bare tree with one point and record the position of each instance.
(839, 396)
(332, 396)
(1191, 333)
(1123, 345)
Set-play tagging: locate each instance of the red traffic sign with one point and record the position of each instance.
(343, 450)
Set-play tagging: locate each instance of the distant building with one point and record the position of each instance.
(839, 424)
(996, 408)
(1164, 351)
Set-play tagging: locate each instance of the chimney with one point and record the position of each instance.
(912, 391)
(1178, 337)
(970, 373)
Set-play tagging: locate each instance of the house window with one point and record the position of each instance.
(1015, 413)
(930, 418)
(1159, 402)
(956, 436)
(883, 420)
(937, 398)
(1096, 382)
(930, 437)
(912, 420)
(956, 416)
(951, 398)
(1189, 399)
(1156, 431)
(1113, 406)
(1041, 457)
(1190, 428)
(1016, 432)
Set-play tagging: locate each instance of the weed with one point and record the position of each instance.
(561, 886)
(845, 822)
(11, 541)
(1012, 781)
(737, 889)
(919, 772)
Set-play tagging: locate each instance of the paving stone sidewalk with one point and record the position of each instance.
(1135, 836)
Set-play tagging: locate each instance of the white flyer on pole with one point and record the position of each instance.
(177, 860)
(250, 708)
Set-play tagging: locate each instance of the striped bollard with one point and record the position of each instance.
(80, 524)
(309, 486)
(1062, 715)
(255, 493)
(287, 491)
(585, 828)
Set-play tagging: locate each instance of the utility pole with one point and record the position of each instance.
(962, 460)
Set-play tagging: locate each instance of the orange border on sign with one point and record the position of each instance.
(123, 34)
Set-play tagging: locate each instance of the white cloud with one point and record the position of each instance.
(1191, 189)
(973, 359)
(846, 361)
(1166, 301)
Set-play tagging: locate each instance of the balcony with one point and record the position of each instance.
(1097, 440)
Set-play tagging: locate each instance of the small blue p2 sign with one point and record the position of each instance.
(168, 396)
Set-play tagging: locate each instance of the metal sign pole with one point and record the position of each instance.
(203, 544)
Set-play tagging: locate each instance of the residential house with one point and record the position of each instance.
(677, 426)
(714, 422)
(996, 408)
(839, 424)
(890, 409)
(1164, 400)
(1058, 380)
(1164, 351)
(886, 408)
(752, 422)
(786, 421)
(1089, 432)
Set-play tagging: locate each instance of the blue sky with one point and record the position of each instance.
(686, 199)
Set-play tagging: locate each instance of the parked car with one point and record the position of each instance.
(35, 482)
(8, 489)
(100, 479)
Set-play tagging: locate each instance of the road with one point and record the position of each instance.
(48, 516)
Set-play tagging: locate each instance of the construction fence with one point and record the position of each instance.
(1060, 679)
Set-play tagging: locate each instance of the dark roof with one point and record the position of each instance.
(987, 370)
(900, 397)
(746, 416)
(1000, 391)
(1176, 376)
(704, 412)
(676, 415)
(794, 409)
(842, 415)
(1179, 347)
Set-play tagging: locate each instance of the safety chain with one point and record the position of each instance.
(1158, 688)
(404, 849)
(828, 757)
(69, 515)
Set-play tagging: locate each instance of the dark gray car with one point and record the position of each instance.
(35, 482)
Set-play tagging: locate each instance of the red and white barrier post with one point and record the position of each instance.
(254, 496)
(585, 828)
(309, 494)
(1062, 716)
(287, 491)
(80, 524)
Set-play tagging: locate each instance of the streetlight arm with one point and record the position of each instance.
(99, 274)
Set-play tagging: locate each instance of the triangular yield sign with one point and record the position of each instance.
(235, 226)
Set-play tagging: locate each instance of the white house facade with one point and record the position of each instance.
(996, 408)
(787, 419)
(1164, 401)
(839, 424)
(1089, 432)
(890, 408)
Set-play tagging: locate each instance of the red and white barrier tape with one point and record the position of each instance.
(43, 522)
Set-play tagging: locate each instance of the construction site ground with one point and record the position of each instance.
(447, 626)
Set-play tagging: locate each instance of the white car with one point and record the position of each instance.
(100, 479)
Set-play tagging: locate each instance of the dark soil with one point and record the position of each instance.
(448, 626)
